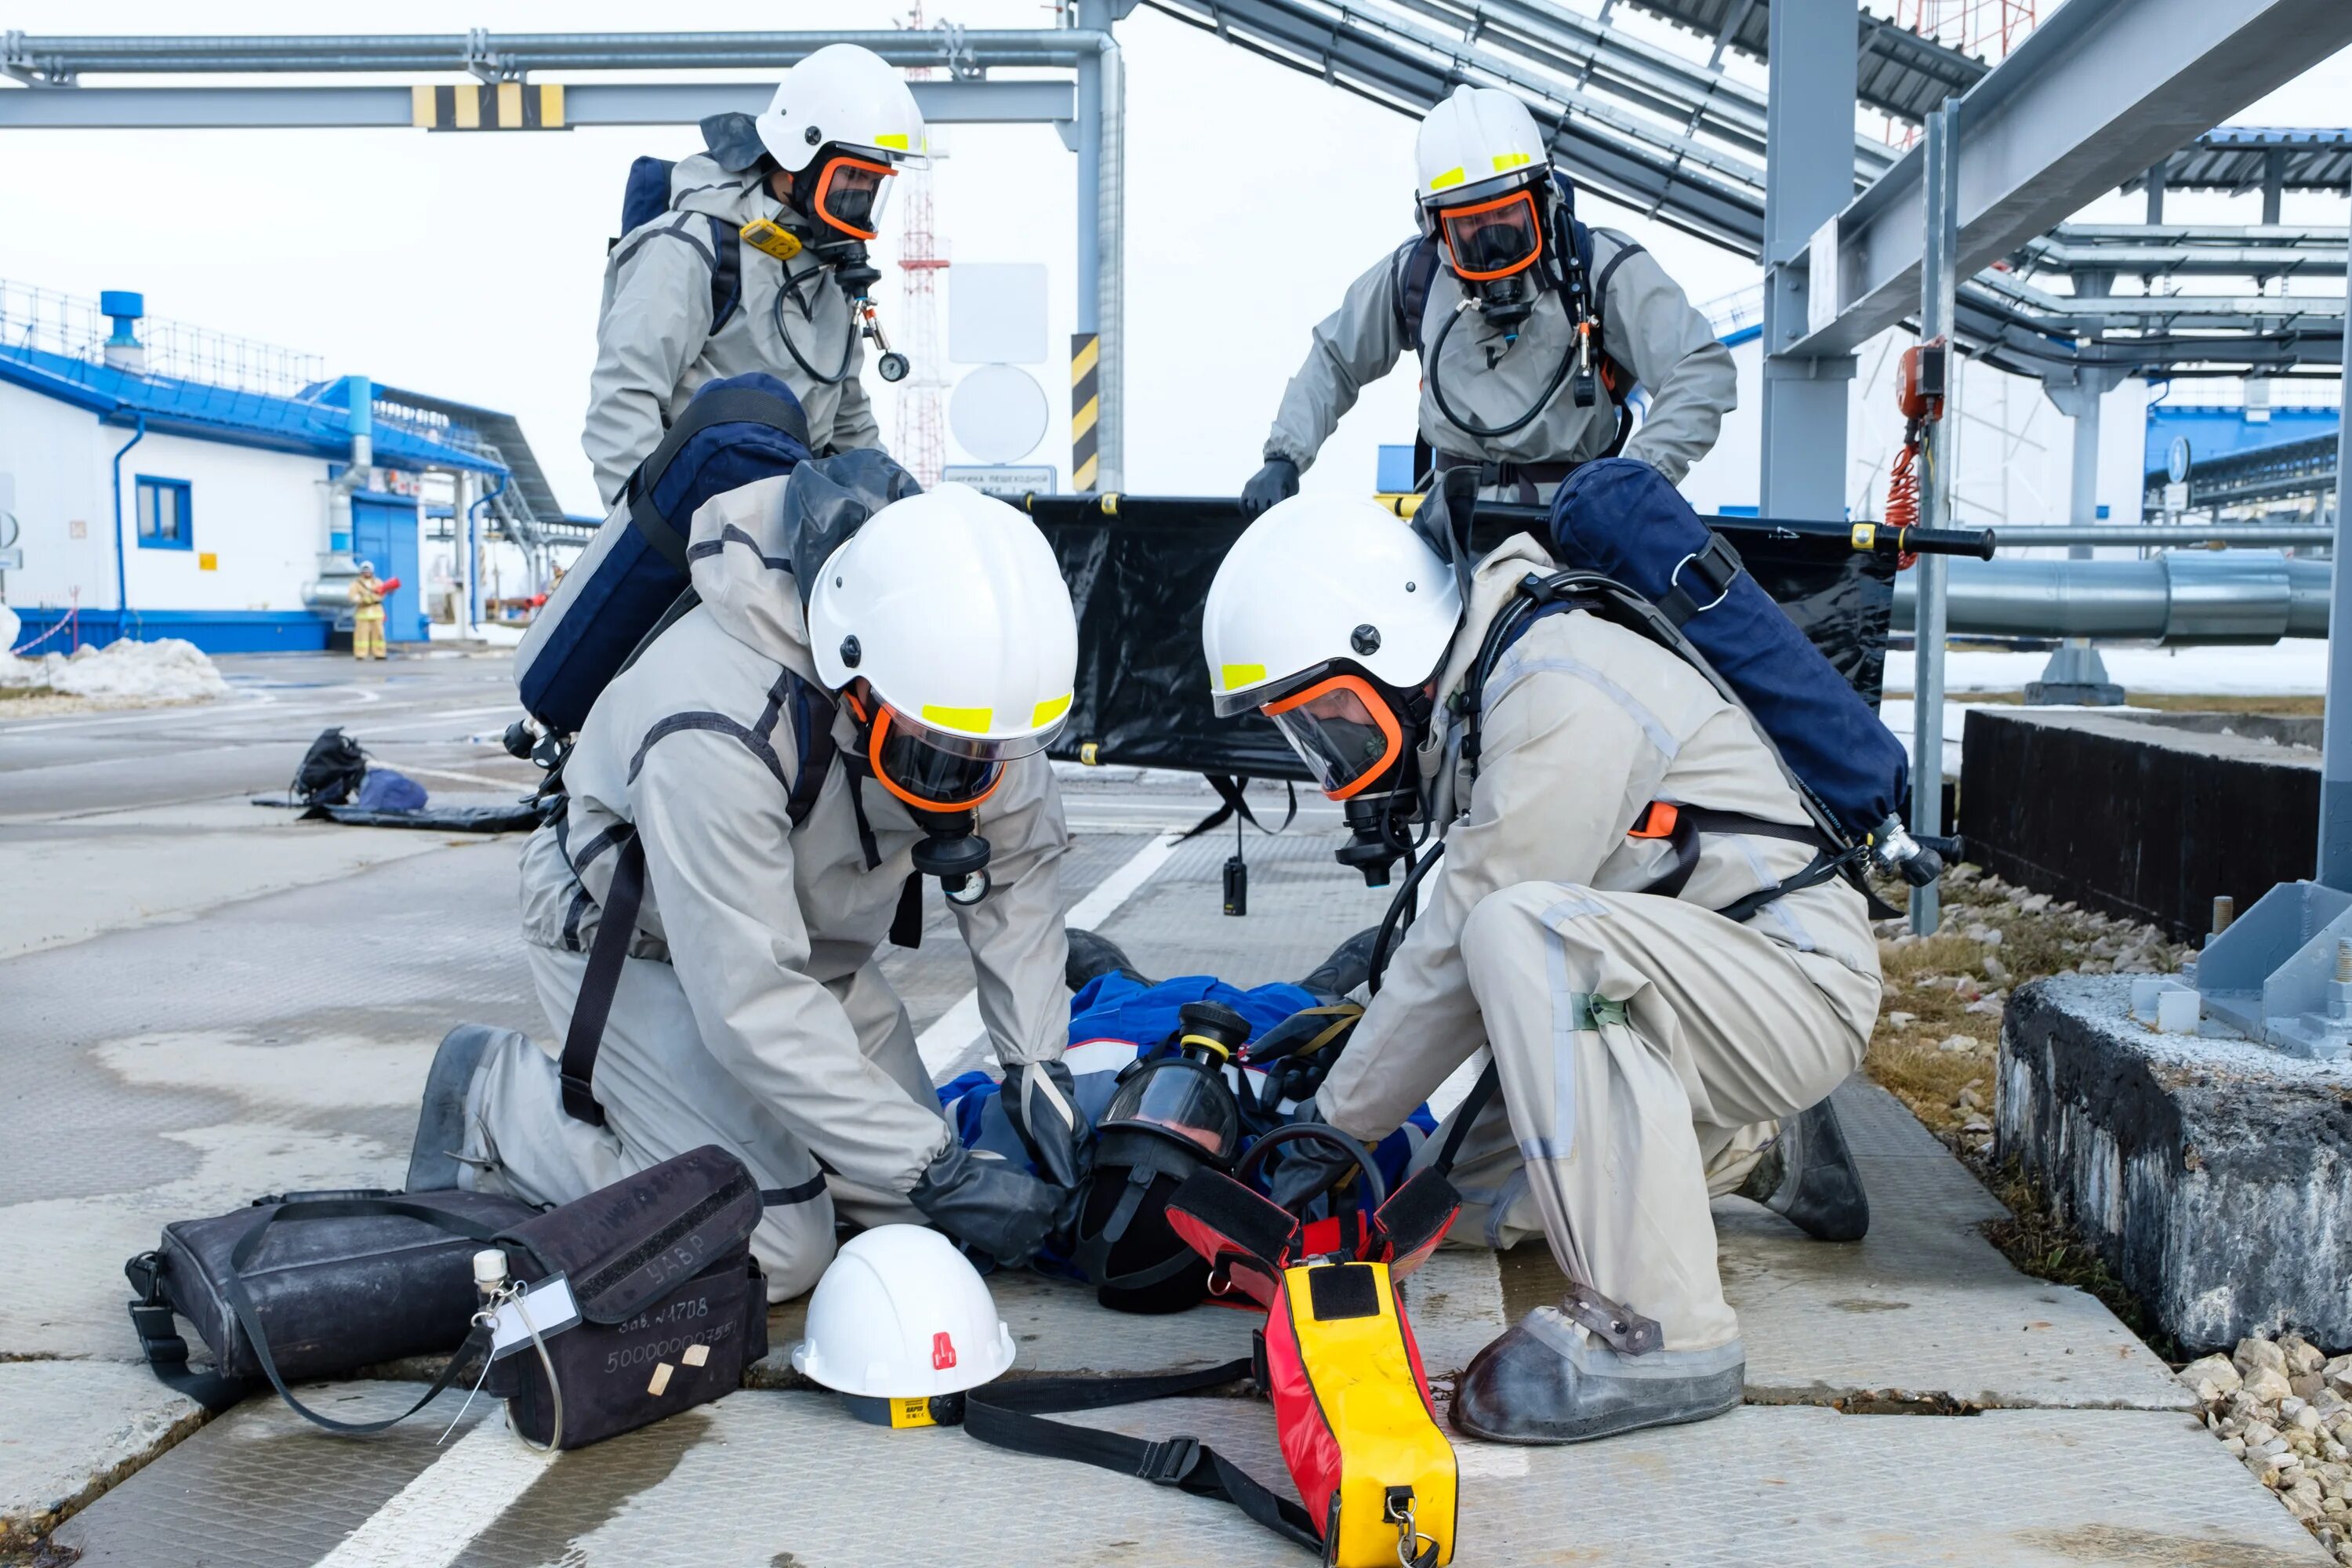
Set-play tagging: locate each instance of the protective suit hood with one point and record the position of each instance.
(705, 183)
(745, 544)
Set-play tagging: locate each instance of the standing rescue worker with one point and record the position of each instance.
(1531, 328)
(1631, 913)
(367, 612)
(764, 783)
(758, 264)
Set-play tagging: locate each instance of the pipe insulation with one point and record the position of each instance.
(2186, 598)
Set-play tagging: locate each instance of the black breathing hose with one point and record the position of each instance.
(848, 350)
(1487, 433)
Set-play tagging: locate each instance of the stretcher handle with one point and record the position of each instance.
(1246, 1173)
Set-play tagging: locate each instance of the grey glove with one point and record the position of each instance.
(991, 1207)
(1304, 1168)
(1041, 1103)
(1278, 480)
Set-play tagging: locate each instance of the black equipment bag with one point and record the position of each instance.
(673, 1310)
(317, 1285)
(280, 1293)
(330, 771)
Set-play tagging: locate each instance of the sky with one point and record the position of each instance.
(469, 267)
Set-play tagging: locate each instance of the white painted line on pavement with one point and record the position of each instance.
(436, 1517)
(955, 1045)
(468, 778)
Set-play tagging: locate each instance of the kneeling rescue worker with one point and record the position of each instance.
(1531, 335)
(1627, 915)
(766, 784)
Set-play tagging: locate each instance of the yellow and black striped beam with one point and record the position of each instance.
(485, 105)
(1086, 407)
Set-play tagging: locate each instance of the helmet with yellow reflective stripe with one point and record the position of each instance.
(1331, 615)
(946, 625)
(1478, 143)
(848, 98)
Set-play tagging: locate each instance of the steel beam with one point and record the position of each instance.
(584, 103)
(1806, 182)
(2068, 116)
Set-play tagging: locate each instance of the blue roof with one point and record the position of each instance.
(209, 413)
(2222, 430)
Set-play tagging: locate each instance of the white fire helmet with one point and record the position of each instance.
(1325, 614)
(846, 103)
(950, 607)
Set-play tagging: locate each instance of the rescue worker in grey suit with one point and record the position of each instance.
(1638, 1036)
(808, 170)
(1516, 388)
(750, 1012)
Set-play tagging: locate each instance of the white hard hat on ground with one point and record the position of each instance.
(952, 609)
(846, 96)
(1325, 610)
(901, 1315)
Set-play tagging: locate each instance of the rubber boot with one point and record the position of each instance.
(1548, 1381)
(433, 1158)
(1809, 1177)
(1349, 965)
(1093, 955)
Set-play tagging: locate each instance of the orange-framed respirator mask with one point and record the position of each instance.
(1357, 736)
(850, 192)
(1503, 248)
(941, 778)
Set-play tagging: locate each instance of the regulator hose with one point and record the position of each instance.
(1535, 409)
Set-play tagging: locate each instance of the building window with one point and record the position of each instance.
(163, 521)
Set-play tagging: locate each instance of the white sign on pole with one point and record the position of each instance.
(998, 413)
(996, 312)
(1006, 480)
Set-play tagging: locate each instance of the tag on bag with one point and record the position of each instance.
(549, 1307)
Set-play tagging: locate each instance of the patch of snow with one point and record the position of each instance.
(121, 674)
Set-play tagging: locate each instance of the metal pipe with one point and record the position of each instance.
(2186, 536)
(2188, 598)
(510, 54)
(122, 572)
(2335, 870)
(1110, 243)
(1938, 303)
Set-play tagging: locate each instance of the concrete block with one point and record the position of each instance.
(2214, 1175)
(70, 1429)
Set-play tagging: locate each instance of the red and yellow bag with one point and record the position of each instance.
(1373, 1470)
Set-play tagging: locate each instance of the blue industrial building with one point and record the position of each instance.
(181, 487)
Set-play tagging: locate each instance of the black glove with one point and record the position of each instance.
(991, 1207)
(1043, 1106)
(1278, 480)
(1306, 1033)
(1303, 1168)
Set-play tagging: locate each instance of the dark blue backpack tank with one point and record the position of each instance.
(735, 431)
(1620, 517)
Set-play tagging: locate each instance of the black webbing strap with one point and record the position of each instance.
(241, 1301)
(801, 1193)
(1010, 1415)
(1711, 570)
(907, 924)
(614, 925)
(1229, 788)
(1472, 1105)
(812, 717)
(166, 1352)
(733, 405)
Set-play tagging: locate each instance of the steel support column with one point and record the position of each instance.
(1939, 280)
(1102, 159)
(1808, 127)
(2075, 673)
(2336, 743)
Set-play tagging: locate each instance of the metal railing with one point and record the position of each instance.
(76, 330)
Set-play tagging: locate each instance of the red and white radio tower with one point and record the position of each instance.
(922, 444)
(1985, 28)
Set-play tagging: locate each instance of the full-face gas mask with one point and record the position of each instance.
(1357, 735)
(843, 192)
(1503, 245)
(940, 778)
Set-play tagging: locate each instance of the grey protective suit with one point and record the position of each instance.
(751, 1013)
(1648, 326)
(655, 347)
(1605, 1135)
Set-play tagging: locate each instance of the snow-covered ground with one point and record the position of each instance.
(2294, 667)
(120, 674)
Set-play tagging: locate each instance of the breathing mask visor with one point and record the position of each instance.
(1345, 728)
(850, 194)
(1494, 247)
(942, 777)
